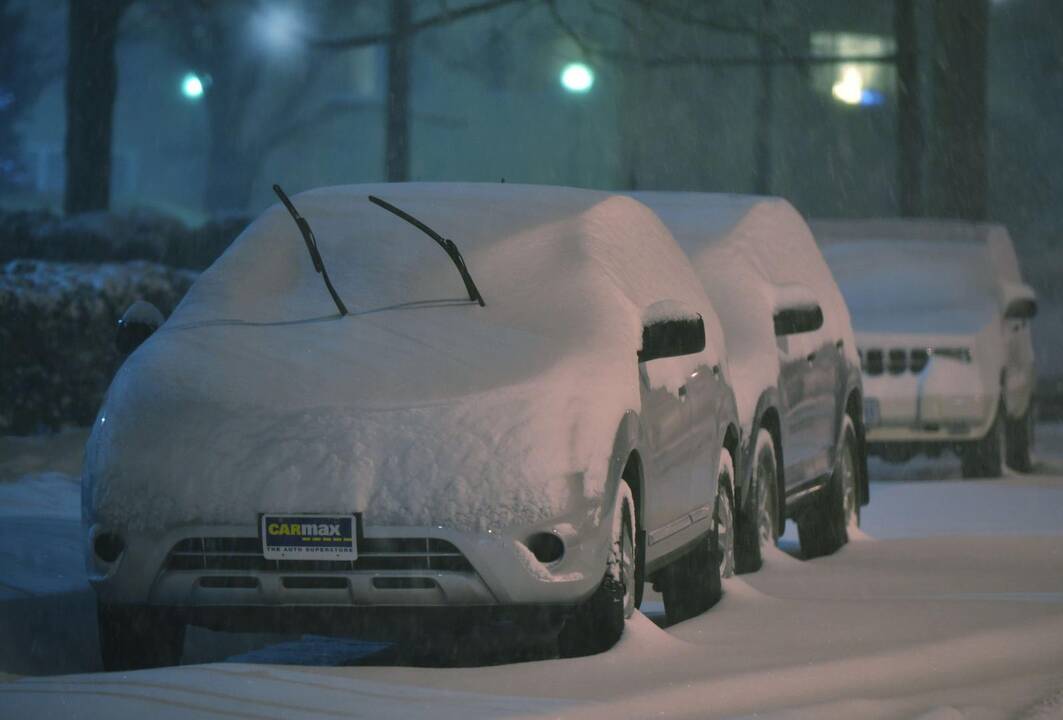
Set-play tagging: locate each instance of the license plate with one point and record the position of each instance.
(872, 416)
(309, 537)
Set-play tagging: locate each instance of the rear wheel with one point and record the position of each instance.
(598, 622)
(1020, 441)
(132, 638)
(985, 458)
(824, 526)
(755, 526)
(693, 583)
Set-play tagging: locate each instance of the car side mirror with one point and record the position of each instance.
(136, 325)
(672, 337)
(1019, 301)
(794, 320)
(1021, 309)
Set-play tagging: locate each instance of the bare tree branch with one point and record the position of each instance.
(681, 60)
(443, 17)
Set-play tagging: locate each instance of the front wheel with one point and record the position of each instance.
(824, 526)
(985, 458)
(132, 638)
(598, 622)
(1020, 441)
(756, 526)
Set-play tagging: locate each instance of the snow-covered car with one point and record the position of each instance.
(943, 324)
(528, 429)
(794, 367)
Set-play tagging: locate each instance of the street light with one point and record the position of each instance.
(280, 28)
(577, 78)
(192, 86)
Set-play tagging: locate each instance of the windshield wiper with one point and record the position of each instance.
(311, 247)
(447, 244)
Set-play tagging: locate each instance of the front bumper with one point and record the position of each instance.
(218, 567)
(948, 402)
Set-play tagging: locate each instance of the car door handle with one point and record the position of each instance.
(839, 344)
(716, 371)
(811, 357)
(683, 391)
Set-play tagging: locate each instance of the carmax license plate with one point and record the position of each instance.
(309, 537)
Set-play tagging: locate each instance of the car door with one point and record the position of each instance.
(680, 379)
(668, 444)
(808, 371)
(798, 408)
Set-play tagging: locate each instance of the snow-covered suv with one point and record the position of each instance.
(529, 428)
(943, 323)
(793, 363)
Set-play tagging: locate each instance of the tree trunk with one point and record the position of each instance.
(397, 131)
(232, 163)
(91, 88)
(762, 149)
(958, 160)
(909, 114)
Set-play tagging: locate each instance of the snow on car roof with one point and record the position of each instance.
(561, 260)
(992, 237)
(563, 272)
(938, 276)
(752, 253)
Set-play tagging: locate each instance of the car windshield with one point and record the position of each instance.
(531, 358)
(906, 280)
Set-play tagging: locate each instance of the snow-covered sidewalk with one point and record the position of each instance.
(950, 606)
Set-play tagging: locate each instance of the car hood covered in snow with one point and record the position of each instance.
(931, 277)
(752, 253)
(419, 407)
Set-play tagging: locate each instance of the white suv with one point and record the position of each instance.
(942, 323)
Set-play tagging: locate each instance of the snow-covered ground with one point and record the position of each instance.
(950, 605)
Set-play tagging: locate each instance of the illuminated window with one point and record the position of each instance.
(853, 83)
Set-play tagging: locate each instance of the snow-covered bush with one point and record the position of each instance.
(107, 237)
(57, 327)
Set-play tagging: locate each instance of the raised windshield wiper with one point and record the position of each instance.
(447, 244)
(311, 247)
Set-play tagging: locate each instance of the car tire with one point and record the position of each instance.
(694, 583)
(598, 622)
(133, 638)
(1020, 441)
(756, 525)
(985, 458)
(823, 527)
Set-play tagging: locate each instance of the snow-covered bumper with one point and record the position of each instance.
(219, 566)
(915, 393)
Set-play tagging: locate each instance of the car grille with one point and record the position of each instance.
(895, 361)
(244, 553)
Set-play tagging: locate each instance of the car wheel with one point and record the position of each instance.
(824, 526)
(985, 458)
(755, 526)
(132, 638)
(598, 622)
(693, 583)
(1020, 441)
